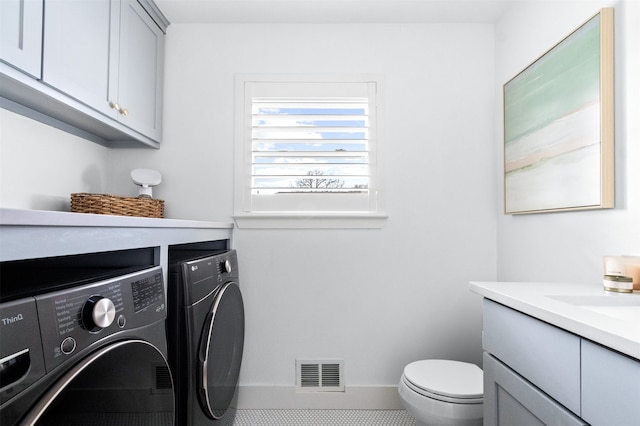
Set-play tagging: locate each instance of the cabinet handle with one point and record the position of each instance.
(117, 107)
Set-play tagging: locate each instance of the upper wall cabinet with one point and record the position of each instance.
(102, 71)
(21, 34)
(107, 54)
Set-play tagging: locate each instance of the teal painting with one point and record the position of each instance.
(553, 128)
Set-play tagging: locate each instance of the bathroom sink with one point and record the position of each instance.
(613, 299)
(624, 307)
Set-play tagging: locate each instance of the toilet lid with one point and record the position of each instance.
(453, 379)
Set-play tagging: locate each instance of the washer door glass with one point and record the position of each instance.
(221, 351)
(126, 383)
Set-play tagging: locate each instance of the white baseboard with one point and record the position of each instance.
(286, 398)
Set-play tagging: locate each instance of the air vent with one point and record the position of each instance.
(319, 376)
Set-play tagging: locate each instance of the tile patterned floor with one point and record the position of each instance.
(323, 418)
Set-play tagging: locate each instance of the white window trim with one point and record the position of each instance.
(303, 220)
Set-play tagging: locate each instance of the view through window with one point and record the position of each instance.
(310, 145)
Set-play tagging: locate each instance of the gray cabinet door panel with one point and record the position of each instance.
(76, 55)
(141, 68)
(21, 34)
(511, 400)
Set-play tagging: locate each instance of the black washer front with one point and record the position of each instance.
(67, 360)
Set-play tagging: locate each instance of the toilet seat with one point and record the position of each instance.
(445, 380)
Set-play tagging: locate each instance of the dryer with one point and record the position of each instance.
(84, 351)
(205, 329)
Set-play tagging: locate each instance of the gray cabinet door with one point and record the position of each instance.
(511, 400)
(77, 36)
(21, 34)
(141, 65)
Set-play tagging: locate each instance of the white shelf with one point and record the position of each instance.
(18, 217)
(28, 234)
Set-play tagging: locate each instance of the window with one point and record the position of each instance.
(307, 152)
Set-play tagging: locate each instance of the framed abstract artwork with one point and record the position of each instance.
(559, 125)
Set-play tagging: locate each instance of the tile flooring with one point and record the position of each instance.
(323, 418)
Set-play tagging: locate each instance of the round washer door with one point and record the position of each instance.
(127, 382)
(221, 351)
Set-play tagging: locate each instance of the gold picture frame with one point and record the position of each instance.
(559, 125)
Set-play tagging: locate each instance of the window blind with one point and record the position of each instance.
(306, 146)
(309, 145)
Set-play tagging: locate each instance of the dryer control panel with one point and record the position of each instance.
(73, 319)
(207, 274)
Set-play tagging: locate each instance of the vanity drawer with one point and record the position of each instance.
(610, 386)
(541, 353)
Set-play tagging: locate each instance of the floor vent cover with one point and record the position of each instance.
(319, 376)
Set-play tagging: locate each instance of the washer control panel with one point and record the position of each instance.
(21, 362)
(73, 319)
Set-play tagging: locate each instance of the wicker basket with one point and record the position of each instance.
(117, 206)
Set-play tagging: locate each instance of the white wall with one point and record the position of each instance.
(375, 298)
(41, 166)
(569, 246)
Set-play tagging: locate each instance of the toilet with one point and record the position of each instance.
(442, 392)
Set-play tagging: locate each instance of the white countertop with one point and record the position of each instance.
(534, 299)
(28, 234)
(54, 218)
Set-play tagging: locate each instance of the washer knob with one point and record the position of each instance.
(225, 266)
(97, 313)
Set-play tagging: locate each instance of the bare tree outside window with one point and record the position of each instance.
(318, 181)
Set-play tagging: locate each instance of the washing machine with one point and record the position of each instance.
(88, 351)
(205, 336)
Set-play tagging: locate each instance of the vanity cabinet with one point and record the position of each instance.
(21, 34)
(538, 374)
(532, 370)
(102, 71)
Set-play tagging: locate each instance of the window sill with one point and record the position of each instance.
(310, 220)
